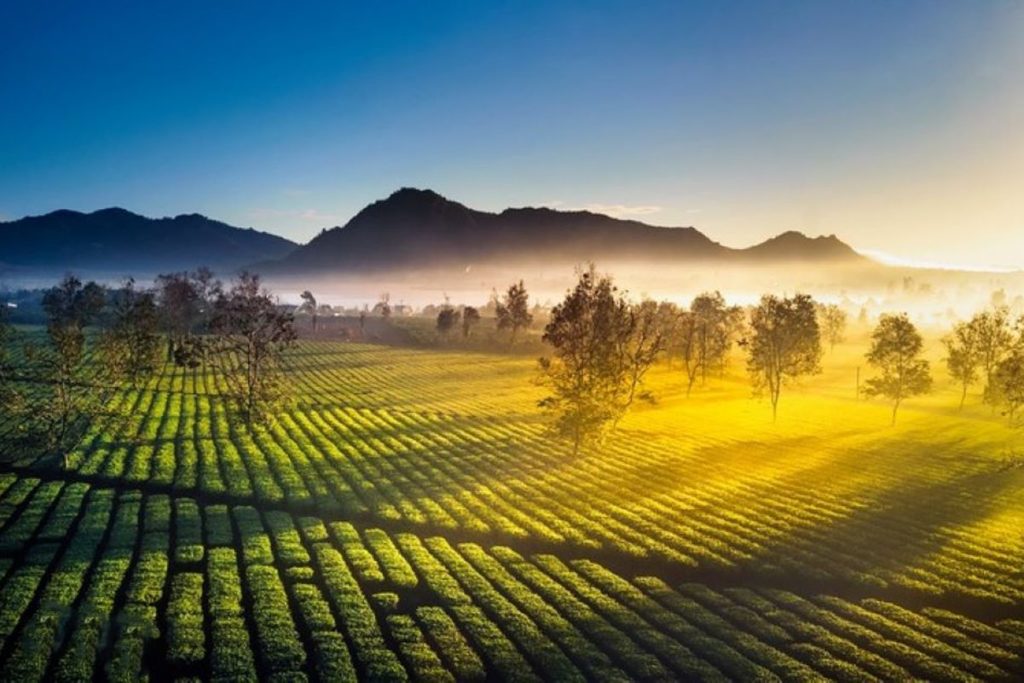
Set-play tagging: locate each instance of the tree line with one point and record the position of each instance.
(98, 340)
(602, 346)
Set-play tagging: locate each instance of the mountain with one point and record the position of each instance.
(419, 228)
(117, 240)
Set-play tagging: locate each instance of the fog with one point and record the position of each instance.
(931, 296)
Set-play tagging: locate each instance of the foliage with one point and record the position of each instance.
(785, 344)
(896, 347)
(252, 333)
(704, 335)
(832, 321)
(447, 320)
(602, 347)
(1007, 386)
(963, 355)
(130, 346)
(994, 338)
(382, 307)
(512, 311)
(309, 307)
(11, 399)
(470, 319)
(186, 305)
(63, 409)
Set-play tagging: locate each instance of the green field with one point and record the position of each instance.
(408, 516)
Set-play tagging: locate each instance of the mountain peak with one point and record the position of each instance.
(420, 228)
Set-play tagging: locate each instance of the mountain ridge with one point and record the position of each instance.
(410, 229)
(114, 237)
(414, 227)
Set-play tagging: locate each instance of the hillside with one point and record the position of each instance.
(116, 239)
(421, 228)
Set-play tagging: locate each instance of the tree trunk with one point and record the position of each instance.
(895, 407)
(963, 397)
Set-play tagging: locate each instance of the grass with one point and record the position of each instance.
(408, 516)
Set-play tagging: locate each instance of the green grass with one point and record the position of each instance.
(408, 516)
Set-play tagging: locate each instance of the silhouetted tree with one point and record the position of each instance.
(253, 333)
(447, 319)
(963, 356)
(470, 319)
(896, 347)
(513, 311)
(785, 344)
(69, 399)
(383, 307)
(130, 347)
(597, 355)
(832, 321)
(309, 306)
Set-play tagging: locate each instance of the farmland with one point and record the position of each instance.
(407, 516)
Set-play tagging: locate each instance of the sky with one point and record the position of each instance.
(898, 126)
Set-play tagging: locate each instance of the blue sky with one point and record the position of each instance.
(896, 125)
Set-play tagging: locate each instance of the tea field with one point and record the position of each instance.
(407, 517)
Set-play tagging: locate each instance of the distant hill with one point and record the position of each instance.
(419, 228)
(117, 240)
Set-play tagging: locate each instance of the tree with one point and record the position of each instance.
(1008, 383)
(130, 347)
(832, 321)
(896, 347)
(646, 342)
(309, 306)
(994, 339)
(185, 302)
(598, 362)
(68, 400)
(11, 400)
(705, 335)
(470, 319)
(447, 319)
(513, 311)
(253, 333)
(785, 344)
(383, 307)
(963, 356)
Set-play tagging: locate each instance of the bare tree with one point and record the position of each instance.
(513, 310)
(832, 321)
(963, 356)
(470, 319)
(896, 347)
(309, 306)
(785, 344)
(253, 333)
